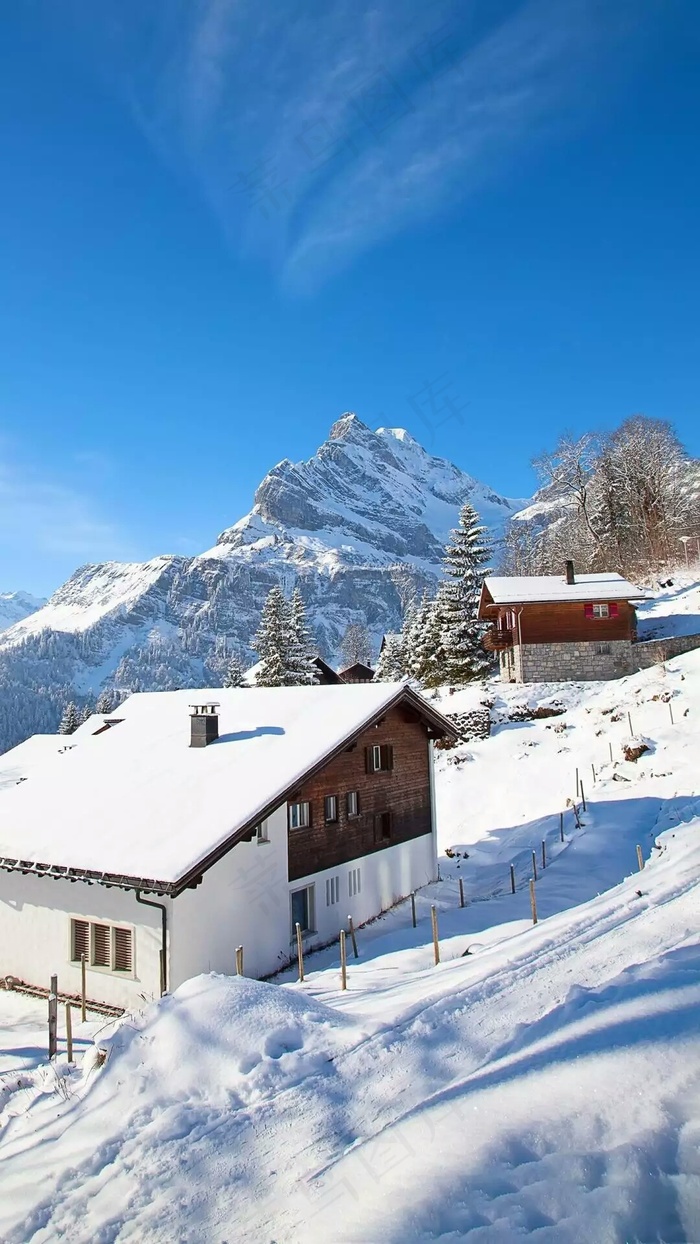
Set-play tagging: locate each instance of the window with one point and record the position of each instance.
(352, 804)
(302, 904)
(379, 758)
(261, 832)
(354, 882)
(602, 650)
(601, 610)
(103, 945)
(332, 891)
(330, 808)
(300, 815)
(382, 826)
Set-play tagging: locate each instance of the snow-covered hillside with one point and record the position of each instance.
(14, 606)
(360, 528)
(542, 1081)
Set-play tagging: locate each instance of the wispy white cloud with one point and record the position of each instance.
(318, 130)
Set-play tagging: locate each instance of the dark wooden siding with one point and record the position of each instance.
(567, 623)
(404, 791)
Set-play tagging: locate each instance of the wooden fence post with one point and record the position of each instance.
(461, 892)
(83, 989)
(300, 952)
(533, 901)
(436, 943)
(534, 865)
(640, 858)
(512, 879)
(413, 907)
(629, 722)
(583, 798)
(69, 1032)
(239, 960)
(343, 962)
(670, 709)
(544, 855)
(53, 1017)
(611, 755)
(577, 783)
(352, 935)
(593, 772)
(561, 826)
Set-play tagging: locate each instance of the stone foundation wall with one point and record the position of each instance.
(583, 661)
(654, 651)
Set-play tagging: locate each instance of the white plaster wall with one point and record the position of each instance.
(386, 876)
(242, 901)
(35, 915)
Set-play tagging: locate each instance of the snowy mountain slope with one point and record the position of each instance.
(541, 1081)
(17, 605)
(360, 527)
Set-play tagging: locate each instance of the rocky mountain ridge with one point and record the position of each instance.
(360, 527)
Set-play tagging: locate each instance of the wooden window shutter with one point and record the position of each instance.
(81, 941)
(101, 945)
(368, 760)
(123, 950)
(613, 610)
(387, 756)
(588, 609)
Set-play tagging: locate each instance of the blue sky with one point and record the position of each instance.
(225, 222)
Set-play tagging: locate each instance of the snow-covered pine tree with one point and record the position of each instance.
(429, 657)
(233, 676)
(70, 719)
(86, 711)
(390, 666)
(274, 642)
(356, 645)
(303, 649)
(466, 564)
(105, 702)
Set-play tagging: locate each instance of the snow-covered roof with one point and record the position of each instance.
(542, 589)
(136, 801)
(23, 760)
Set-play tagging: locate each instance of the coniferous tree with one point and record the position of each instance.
(390, 666)
(234, 676)
(429, 656)
(86, 711)
(303, 648)
(70, 719)
(105, 702)
(274, 642)
(356, 645)
(466, 564)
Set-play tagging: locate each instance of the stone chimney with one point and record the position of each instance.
(570, 577)
(204, 724)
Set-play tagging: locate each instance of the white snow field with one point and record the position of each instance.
(541, 1081)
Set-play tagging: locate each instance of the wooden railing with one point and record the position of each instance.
(496, 640)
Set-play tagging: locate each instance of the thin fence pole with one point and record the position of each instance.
(577, 783)
(593, 772)
(300, 952)
(611, 755)
(83, 989)
(239, 960)
(351, 927)
(512, 879)
(640, 858)
(343, 962)
(629, 722)
(533, 901)
(670, 710)
(413, 908)
(583, 798)
(534, 865)
(544, 855)
(461, 892)
(53, 1017)
(69, 1032)
(436, 943)
(561, 826)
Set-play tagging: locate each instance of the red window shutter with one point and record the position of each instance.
(613, 610)
(588, 609)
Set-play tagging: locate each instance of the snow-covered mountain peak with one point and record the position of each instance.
(14, 606)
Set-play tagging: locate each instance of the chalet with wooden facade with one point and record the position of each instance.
(155, 848)
(549, 628)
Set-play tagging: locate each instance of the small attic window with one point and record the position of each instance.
(600, 610)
